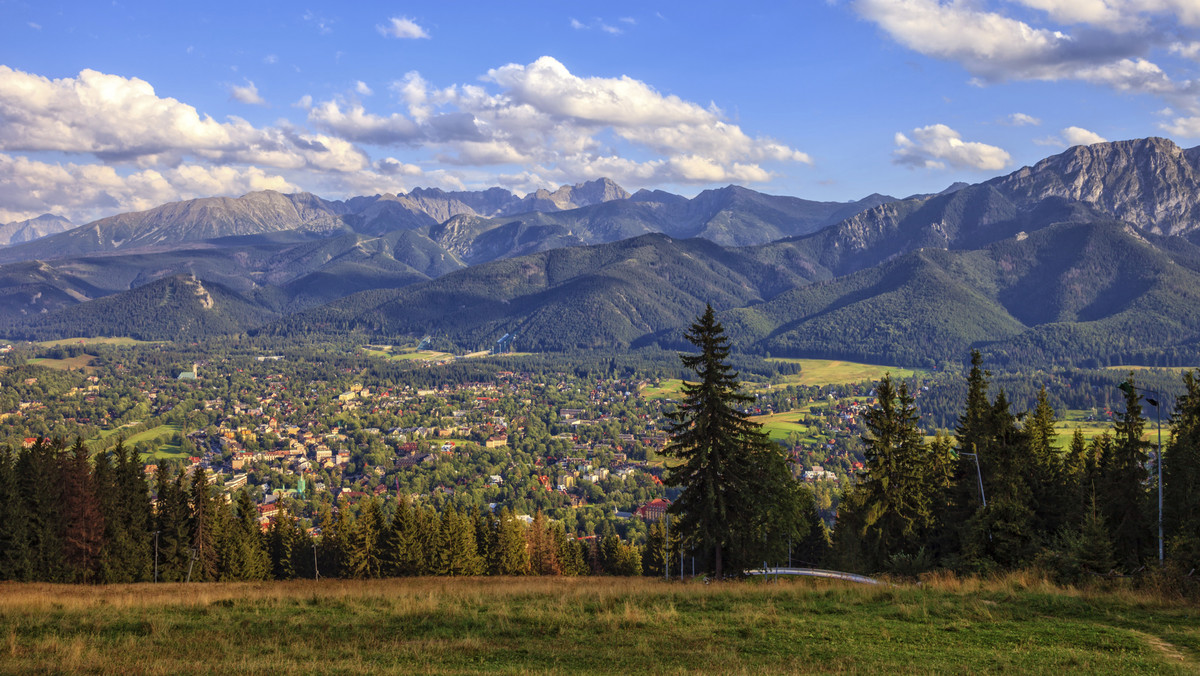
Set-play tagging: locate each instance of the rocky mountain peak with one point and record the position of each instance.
(1149, 182)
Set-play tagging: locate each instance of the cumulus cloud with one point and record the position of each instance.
(1108, 49)
(83, 192)
(246, 93)
(936, 146)
(403, 28)
(122, 120)
(543, 115)
(1078, 136)
(361, 87)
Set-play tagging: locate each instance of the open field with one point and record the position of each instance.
(83, 362)
(155, 435)
(93, 341)
(406, 354)
(670, 388)
(592, 625)
(836, 372)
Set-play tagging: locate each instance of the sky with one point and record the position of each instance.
(108, 107)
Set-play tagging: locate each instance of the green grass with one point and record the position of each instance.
(95, 341)
(836, 372)
(592, 625)
(407, 354)
(158, 436)
(672, 388)
(780, 425)
(81, 362)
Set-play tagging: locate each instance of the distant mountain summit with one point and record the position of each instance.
(19, 232)
(1151, 183)
(571, 197)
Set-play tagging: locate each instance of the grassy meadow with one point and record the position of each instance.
(837, 372)
(79, 363)
(95, 341)
(593, 625)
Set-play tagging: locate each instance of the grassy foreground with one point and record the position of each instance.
(608, 625)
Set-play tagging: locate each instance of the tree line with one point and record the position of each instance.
(1000, 494)
(66, 517)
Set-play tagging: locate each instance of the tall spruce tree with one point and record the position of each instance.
(171, 524)
(14, 522)
(1123, 497)
(364, 551)
(895, 496)
(41, 492)
(83, 524)
(1181, 478)
(739, 500)
(202, 564)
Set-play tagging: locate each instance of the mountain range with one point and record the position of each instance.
(1088, 256)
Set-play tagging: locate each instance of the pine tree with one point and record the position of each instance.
(14, 523)
(128, 552)
(570, 552)
(41, 492)
(511, 552)
(1181, 477)
(202, 564)
(738, 497)
(403, 554)
(898, 486)
(246, 557)
(1075, 480)
(171, 523)
(83, 525)
(1122, 497)
(282, 540)
(1048, 483)
(365, 549)
(971, 437)
(654, 560)
(543, 552)
(1004, 532)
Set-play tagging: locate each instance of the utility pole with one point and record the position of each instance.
(316, 571)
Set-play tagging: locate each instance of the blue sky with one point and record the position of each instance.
(110, 107)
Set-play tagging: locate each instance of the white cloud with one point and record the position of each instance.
(270, 59)
(402, 27)
(1071, 136)
(1022, 120)
(546, 116)
(84, 192)
(1183, 126)
(1117, 15)
(1078, 136)
(394, 167)
(578, 25)
(361, 87)
(937, 145)
(1108, 50)
(246, 93)
(121, 119)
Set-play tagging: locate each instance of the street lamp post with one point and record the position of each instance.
(1129, 388)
